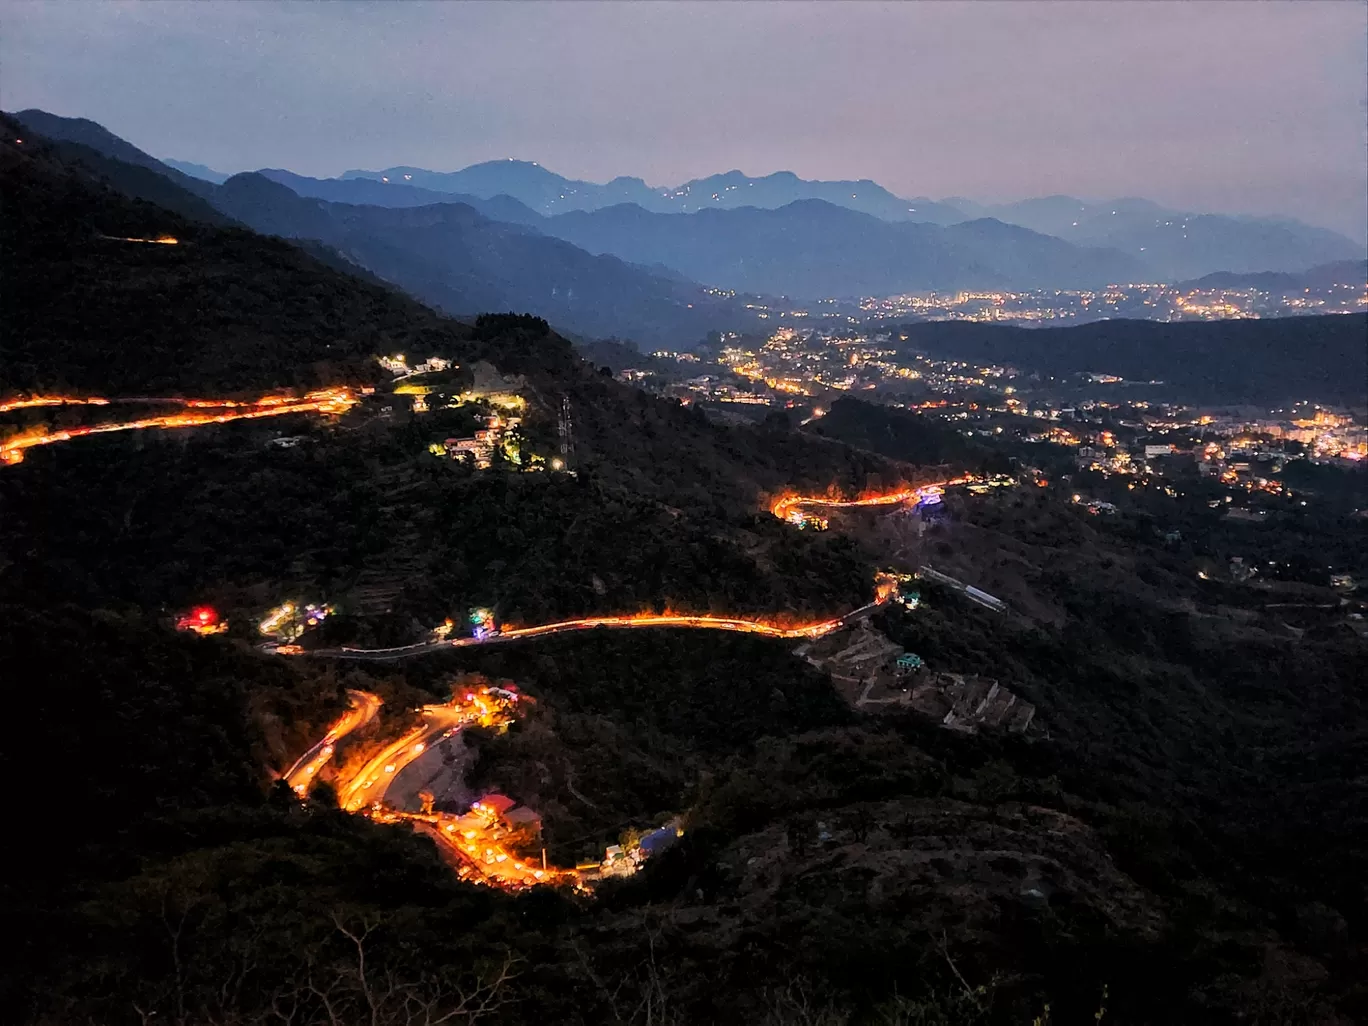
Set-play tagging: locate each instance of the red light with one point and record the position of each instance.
(204, 615)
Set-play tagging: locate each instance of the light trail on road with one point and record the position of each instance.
(786, 505)
(885, 587)
(475, 841)
(329, 402)
(484, 860)
(160, 240)
(43, 400)
(61, 400)
(304, 772)
(367, 785)
(717, 623)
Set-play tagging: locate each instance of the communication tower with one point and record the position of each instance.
(565, 430)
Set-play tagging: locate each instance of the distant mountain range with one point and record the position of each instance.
(808, 248)
(627, 260)
(369, 192)
(1175, 244)
(549, 193)
(814, 249)
(1171, 244)
(207, 174)
(453, 257)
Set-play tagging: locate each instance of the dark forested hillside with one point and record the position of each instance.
(223, 309)
(446, 254)
(95, 137)
(904, 435)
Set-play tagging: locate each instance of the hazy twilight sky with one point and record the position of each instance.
(1223, 106)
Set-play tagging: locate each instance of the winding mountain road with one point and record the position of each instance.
(787, 506)
(364, 706)
(329, 402)
(884, 591)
